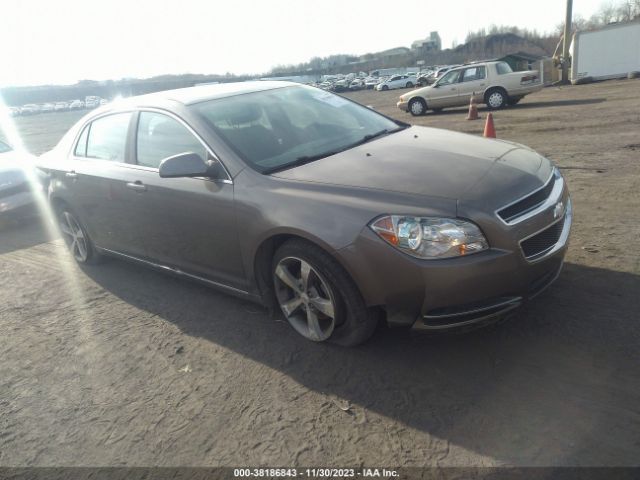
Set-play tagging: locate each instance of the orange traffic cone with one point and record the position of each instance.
(473, 110)
(489, 129)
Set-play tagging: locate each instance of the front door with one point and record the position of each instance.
(185, 223)
(445, 91)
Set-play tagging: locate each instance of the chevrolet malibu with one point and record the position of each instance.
(314, 205)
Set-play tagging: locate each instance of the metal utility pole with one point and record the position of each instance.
(568, 21)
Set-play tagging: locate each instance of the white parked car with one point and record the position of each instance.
(47, 107)
(76, 105)
(357, 84)
(397, 81)
(491, 83)
(371, 82)
(29, 109)
(61, 106)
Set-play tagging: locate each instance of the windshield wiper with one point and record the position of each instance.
(312, 158)
(302, 160)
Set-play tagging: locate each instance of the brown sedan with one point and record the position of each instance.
(299, 198)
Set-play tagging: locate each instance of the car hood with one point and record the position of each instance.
(435, 163)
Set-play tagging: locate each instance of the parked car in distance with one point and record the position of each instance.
(438, 73)
(61, 107)
(91, 101)
(371, 82)
(29, 109)
(491, 83)
(14, 111)
(357, 84)
(397, 81)
(47, 107)
(422, 77)
(76, 105)
(18, 181)
(311, 203)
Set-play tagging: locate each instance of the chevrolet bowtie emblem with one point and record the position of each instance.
(558, 210)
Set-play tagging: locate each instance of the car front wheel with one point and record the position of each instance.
(417, 107)
(317, 297)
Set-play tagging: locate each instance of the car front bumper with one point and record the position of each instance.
(404, 106)
(450, 293)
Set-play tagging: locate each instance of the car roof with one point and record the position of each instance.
(202, 93)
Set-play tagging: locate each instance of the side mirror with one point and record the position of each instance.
(187, 164)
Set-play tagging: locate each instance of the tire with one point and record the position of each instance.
(409, 85)
(385, 87)
(328, 290)
(76, 237)
(495, 99)
(417, 107)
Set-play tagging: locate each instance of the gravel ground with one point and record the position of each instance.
(119, 365)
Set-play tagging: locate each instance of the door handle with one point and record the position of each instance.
(138, 186)
(73, 175)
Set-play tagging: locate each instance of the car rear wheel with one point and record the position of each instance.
(317, 297)
(76, 237)
(409, 85)
(385, 87)
(495, 99)
(417, 107)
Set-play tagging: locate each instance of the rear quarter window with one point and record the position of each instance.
(502, 68)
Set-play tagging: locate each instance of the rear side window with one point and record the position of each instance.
(473, 73)
(107, 137)
(160, 136)
(502, 68)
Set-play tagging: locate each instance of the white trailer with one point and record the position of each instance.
(609, 52)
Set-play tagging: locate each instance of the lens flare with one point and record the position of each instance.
(61, 260)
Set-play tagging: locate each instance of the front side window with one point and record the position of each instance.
(107, 137)
(449, 78)
(502, 68)
(279, 128)
(4, 147)
(160, 136)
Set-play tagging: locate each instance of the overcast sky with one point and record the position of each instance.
(62, 41)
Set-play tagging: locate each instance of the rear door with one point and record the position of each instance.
(185, 223)
(95, 178)
(473, 81)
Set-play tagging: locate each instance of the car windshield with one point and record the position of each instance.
(277, 129)
(4, 148)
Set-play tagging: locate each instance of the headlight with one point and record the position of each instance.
(430, 237)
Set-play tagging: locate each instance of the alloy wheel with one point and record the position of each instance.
(74, 236)
(305, 298)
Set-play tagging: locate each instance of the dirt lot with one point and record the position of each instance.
(120, 365)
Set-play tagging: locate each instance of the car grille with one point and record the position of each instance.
(527, 204)
(543, 241)
(14, 190)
